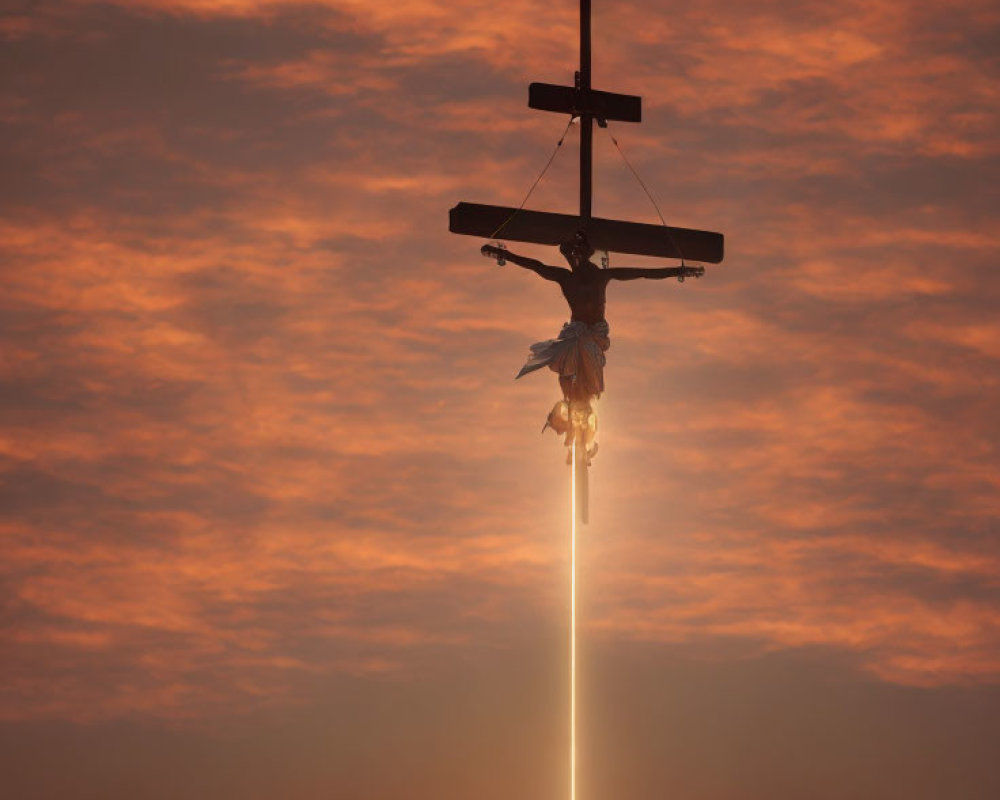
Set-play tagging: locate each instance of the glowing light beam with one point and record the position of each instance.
(572, 635)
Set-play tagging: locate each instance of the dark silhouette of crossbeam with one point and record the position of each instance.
(543, 227)
(577, 102)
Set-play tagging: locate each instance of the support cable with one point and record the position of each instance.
(537, 180)
(642, 183)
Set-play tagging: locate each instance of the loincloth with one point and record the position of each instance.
(578, 354)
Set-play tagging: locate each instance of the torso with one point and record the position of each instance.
(585, 291)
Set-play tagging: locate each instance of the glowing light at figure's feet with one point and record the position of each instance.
(572, 637)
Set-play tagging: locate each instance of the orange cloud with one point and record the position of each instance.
(259, 417)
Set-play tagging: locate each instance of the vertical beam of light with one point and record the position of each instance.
(572, 635)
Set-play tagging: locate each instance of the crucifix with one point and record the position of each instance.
(578, 353)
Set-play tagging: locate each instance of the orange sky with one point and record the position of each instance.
(276, 522)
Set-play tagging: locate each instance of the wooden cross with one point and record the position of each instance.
(540, 227)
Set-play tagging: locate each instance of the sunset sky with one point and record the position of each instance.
(277, 523)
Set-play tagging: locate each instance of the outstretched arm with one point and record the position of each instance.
(547, 272)
(656, 273)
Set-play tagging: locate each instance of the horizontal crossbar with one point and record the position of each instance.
(569, 100)
(543, 227)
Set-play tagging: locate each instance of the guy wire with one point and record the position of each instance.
(642, 183)
(537, 180)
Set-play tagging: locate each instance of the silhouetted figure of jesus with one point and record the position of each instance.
(577, 355)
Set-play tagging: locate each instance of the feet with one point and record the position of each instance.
(568, 417)
(558, 418)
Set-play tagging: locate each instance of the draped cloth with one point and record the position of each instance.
(578, 354)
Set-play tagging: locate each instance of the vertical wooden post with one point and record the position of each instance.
(586, 120)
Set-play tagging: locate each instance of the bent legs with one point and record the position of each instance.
(573, 415)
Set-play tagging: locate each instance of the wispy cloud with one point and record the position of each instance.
(258, 422)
